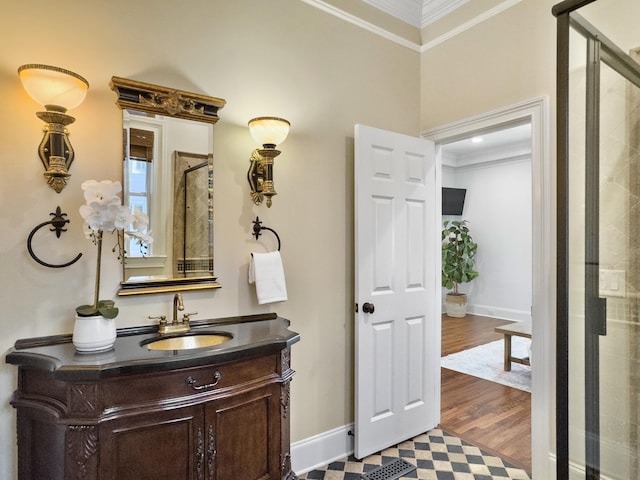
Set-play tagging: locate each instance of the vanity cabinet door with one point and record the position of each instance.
(244, 435)
(165, 445)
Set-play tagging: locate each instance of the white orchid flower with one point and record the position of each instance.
(140, 220)
(147, 239)
(104, 212)
(142, 238)
(104, 192)
(122, 216)
(95, 215)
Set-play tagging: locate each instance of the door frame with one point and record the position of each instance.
(535, 111)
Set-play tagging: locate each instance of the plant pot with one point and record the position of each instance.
(456, 305)
(94, 334)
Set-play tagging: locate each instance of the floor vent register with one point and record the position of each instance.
(390, 471)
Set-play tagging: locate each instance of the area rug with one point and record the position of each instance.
(487, 362)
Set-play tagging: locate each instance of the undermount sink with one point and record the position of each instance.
(188, 342)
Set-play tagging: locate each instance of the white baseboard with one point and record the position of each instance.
(496, 312)
(578, 472)
(322, 449)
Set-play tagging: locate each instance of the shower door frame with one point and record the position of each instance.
(599, 49)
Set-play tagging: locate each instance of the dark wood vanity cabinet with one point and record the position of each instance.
(221, 421)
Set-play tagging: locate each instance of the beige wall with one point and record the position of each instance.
(504, 60)
(280, 58)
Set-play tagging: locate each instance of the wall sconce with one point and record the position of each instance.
(268, 132)
(57, 90)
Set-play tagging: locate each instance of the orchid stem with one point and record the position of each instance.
(97, 290)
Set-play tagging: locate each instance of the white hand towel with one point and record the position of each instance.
(266, 271)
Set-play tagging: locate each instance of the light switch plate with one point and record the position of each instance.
(612, 283)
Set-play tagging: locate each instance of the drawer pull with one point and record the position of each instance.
(192, 382)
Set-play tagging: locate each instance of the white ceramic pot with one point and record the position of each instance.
(456, 305)
(94, 334)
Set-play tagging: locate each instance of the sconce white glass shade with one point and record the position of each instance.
(269, 130)
(53, 86)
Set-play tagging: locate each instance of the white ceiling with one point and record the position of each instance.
(418, 13)
(506, 143)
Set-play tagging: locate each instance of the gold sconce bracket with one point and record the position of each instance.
(260, 175)
(56, 165)
(269, 132)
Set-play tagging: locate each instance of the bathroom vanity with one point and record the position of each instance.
(211, 413)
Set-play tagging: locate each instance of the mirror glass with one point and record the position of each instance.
(168, 174)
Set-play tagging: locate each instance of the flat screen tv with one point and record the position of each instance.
(453, 200)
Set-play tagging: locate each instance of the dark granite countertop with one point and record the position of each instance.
(252, 335)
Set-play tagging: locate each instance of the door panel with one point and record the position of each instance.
(397, 270)
(162, 445)
(245, 435)
(415, 333)
(382, 244)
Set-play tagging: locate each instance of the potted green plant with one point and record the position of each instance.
(458, 259)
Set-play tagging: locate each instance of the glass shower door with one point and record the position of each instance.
(598, 317)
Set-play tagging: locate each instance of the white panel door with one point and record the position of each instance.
(397, 275)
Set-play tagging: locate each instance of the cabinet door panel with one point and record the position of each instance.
(160, 446)
(248, 429)
(35, 461)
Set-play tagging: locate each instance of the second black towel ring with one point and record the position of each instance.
(257, 230)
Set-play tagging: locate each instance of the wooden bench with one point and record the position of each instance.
(517, 329)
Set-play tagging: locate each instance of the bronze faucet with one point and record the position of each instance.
(176, 326)
(177, 305)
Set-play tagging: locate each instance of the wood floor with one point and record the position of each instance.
(491, 416)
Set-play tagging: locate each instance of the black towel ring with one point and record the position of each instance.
(58, 222)
(257, 227)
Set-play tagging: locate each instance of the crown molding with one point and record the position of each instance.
(433, 10)
(492, 12)
(409, 11)
(348, 17)
(443, 10)
(417, 13)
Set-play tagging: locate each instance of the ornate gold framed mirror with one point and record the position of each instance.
(168, 174)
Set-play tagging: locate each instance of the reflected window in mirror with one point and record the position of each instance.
(138, 176)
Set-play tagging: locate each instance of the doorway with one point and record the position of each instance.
(494, 169)
(534, 112)
(481, 402)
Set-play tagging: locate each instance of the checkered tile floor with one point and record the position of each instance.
(437, 456)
